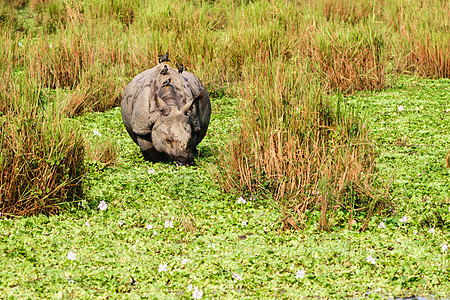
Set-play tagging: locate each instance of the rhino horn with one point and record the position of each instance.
(163, 107)
(188, 106)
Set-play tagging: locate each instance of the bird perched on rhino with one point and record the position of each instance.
(167, 82)
(164, 70)
(180, 69)
(164, 57)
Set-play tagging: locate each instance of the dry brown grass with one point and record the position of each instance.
(349, 60)
(305, 149)
(103, 150)
(41, 160)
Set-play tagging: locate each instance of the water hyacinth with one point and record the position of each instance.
(236, 276)
(87, 224)
(404, 219)
(241, 200)
(197, 293)
(162, 268)
(96, 132)
(370, 259)
(444, 247)
(71, 255)
(151, 171)
(244, 223)
(431, 230)
(400, 108)
(185, 261)
(102, 205)
(168, 224)
(300, 273)
(381, 225)
(149, 227)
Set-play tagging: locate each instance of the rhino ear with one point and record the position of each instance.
(163, 107)
(187, 108)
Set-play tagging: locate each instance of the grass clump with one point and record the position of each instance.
(41, 159)
(308, 150)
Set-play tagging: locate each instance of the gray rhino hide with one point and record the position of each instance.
(166, 121)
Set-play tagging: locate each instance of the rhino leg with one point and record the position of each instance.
(148, 151)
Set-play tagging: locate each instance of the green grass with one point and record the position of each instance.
(116, 248)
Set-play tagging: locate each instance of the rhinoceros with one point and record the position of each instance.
(167, 115)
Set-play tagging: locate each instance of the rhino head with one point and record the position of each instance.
(172, 131)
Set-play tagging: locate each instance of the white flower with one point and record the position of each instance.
(87, 224)
(381, 225)
(151, 171)
(82, 204)
(197, 293)
(237, 276)
(431, 230)
(96, 132)
(149, 226)
(20, 44)
(71, 255)
(102, 205)
(50, 45)
(261, 214)
(168, 224)
(244, 223)
(404, 219)
(211, 245)
(241, 200)
(444, 247)
(162, 267)
(400, 108)
(370, 259)
(300, 273)
(415, 232)
(121, 222)
(189, 288)
(185, 261)
(155, 232)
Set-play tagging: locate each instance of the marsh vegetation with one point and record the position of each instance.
(330, 118)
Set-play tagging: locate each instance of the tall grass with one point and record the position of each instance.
(350, 59)
(284, 60)
(41, 154)
(308, 150)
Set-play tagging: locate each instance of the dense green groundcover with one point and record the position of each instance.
(170, 232)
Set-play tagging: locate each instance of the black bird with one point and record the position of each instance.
(167, 82)
(164, 70)
(180, 69)
(164, 57)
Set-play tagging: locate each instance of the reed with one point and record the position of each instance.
(305, 149)
(41, 156)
